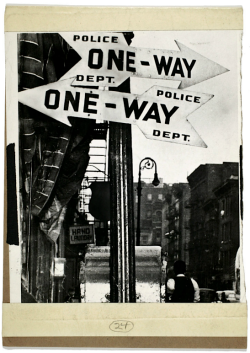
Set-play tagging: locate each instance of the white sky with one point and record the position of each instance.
(217, 122)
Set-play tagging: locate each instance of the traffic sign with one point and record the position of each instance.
(160, 113)
(107, 60)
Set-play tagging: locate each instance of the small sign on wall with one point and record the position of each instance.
(81, 234)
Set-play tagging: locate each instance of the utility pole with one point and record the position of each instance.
(122, 234)
(122, 239)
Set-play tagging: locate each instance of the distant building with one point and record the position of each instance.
(214, 224)
(152, 199)
(229, 229)
(197, 222)
(176, 224)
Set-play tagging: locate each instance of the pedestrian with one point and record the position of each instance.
(216, 298)
(181, 288)
(70, 298)
(223, 298)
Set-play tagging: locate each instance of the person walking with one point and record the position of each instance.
(223, 298)
(182, 289)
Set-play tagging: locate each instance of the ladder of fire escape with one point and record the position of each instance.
(97, 168)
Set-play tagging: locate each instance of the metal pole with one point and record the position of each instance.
(122, 250)
(138, 229)
(129, 212)
(29, 243)
(149, 163)
(122, 236)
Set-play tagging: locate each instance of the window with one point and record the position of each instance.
(158, 216)
(226, 231)
(226, 258)
(158, 236)
(228, 206)
(149, 197)
(223, 205)
(223, 233)
(160, 197)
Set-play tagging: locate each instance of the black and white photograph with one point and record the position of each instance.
(129, 168)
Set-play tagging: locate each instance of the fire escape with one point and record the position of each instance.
(96, 173)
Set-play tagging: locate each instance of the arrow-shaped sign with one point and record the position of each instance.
(107, 60)
(160, 112)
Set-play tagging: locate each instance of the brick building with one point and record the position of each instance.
(227, 194)
(214, 224)
(176, 223)
(152, 200)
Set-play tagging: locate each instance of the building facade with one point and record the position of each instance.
(152, 200)
(51, 261)
(214, 224)
(176, 226)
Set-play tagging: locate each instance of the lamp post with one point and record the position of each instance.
(147, 163)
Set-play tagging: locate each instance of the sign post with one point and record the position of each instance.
(122, 234)
(122, 240)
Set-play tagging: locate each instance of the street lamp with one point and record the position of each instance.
(147, 163)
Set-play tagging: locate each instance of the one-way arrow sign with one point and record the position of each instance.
(107, 60)
(160, 112)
